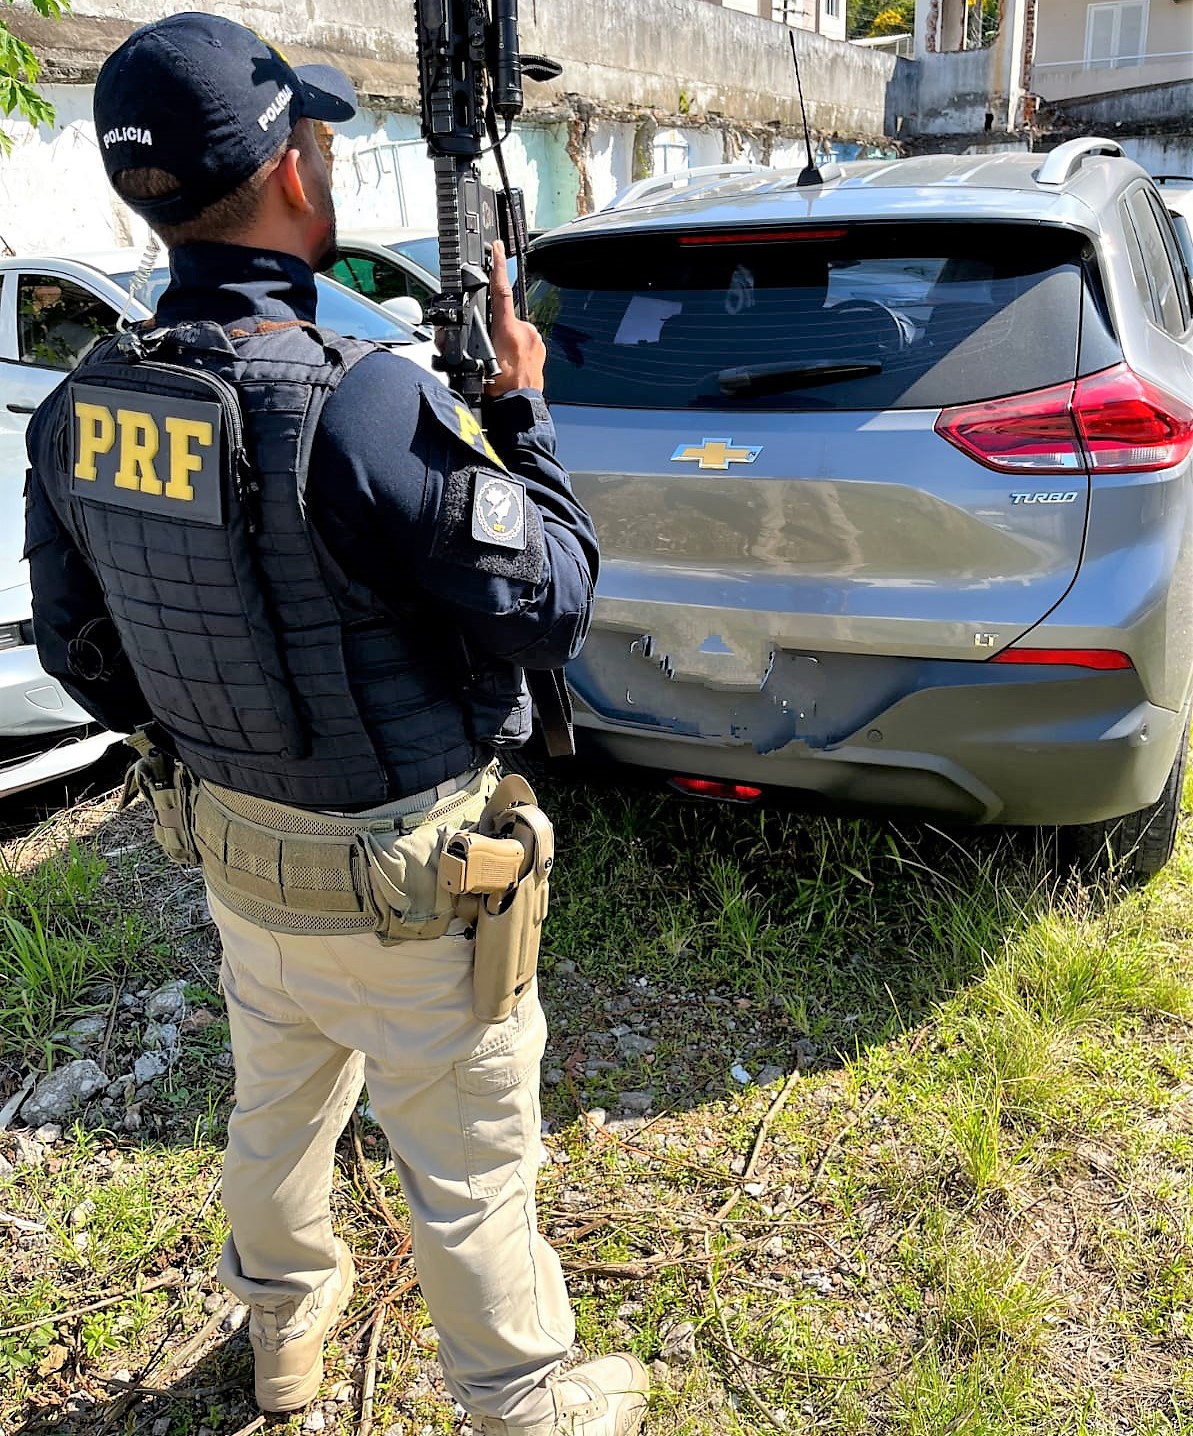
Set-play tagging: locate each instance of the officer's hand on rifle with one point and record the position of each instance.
(518, 344)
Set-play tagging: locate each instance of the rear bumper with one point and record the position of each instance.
(981, 744)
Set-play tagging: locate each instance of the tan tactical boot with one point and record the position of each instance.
(600, 1398)
(288, 1346)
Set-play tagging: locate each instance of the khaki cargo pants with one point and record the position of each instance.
(314, 1017)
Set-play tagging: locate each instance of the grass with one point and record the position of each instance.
(971, 1215)
(56, 938)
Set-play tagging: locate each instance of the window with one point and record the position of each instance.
(1114, 34)
(58, 320)
(871, 316)
(1172, 243)
(377, 279)
(832, 7)
(1161, 277)
(671, 152)
(791, 12)
(1184, 238)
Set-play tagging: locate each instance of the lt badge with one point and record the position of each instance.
(499, 511)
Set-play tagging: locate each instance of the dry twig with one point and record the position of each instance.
(369, 1385)
(374, 1190)
(254, 1425)
(123, 1404)
(859, 1116)
(167, 1280)
(763, 1129)
(738, 1361)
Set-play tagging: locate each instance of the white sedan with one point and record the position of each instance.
(51, 309)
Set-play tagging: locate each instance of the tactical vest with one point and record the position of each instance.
(273, 673)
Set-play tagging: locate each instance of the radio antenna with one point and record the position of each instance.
(810, 174)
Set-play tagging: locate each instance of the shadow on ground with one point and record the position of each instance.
(695, 952)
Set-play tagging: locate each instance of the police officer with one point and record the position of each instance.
(301, 558)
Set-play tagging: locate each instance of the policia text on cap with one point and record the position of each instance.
(303, 563)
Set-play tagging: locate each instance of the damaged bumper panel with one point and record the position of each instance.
(963, 740)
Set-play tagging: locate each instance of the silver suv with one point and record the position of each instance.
(892, 476)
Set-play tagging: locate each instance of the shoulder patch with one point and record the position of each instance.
(486, 523)
(499, 511)
(451, 413)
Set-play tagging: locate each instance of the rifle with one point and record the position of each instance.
(470, 81)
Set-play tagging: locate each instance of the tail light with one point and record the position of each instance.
(762, 236)
(1105, 659)
(716, 788)
(1127, 425)
(1112, 422)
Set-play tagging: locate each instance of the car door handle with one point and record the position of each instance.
(22, 408)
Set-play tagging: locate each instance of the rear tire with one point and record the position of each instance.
(1136, 846)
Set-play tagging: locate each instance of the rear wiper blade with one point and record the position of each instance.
(774, 378)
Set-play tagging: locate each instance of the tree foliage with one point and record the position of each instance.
(898, 19)
(19, 70)
(861, 15)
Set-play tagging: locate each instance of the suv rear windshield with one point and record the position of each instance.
(863, 316)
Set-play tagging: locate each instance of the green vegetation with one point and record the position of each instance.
(57, 935)
(897, 17)
(970, 1212)
(19, 70)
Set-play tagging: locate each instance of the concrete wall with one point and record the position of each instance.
(1065, 82)
(954, 93)
(673, 56)
(1162, 154)
(647, 53)
(1169, 106)
(648, 86)
(381, 177)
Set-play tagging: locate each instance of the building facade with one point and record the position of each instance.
(822, 17)
(1090, 47)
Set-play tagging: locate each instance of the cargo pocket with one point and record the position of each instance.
(499, 1111)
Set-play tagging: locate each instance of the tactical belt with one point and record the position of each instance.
(299, 871)
(478, 849)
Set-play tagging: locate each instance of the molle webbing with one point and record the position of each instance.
(282, 867)
(298, 871)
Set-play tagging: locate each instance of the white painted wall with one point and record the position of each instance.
(53, 190)
(1162, 154)
(54, 194)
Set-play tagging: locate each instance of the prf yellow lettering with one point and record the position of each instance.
(97, 434)
(472, 433)
(182, 462)
(139, 441)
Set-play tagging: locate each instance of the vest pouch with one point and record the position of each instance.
(169, 789)
(403, 879)
(403, 866)
(303, 871)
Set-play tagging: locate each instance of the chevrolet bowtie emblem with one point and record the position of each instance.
(716, 453)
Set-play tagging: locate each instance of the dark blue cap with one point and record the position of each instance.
(209, 101)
